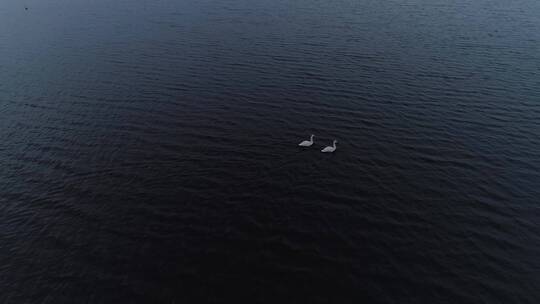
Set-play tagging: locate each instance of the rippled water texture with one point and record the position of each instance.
(148, 151)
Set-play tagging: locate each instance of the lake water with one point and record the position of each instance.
(148, 151)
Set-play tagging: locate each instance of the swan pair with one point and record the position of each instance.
(309, 143)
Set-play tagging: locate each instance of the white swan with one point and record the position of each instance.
(330, 149)
(307, 143)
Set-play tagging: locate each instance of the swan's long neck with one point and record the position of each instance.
(311, 138)
(334, 144)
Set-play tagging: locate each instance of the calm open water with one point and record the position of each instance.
(148, 151)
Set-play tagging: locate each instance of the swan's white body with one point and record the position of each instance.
(330, 149)
(307, 143)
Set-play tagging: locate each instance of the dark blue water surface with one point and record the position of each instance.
(148, 151)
